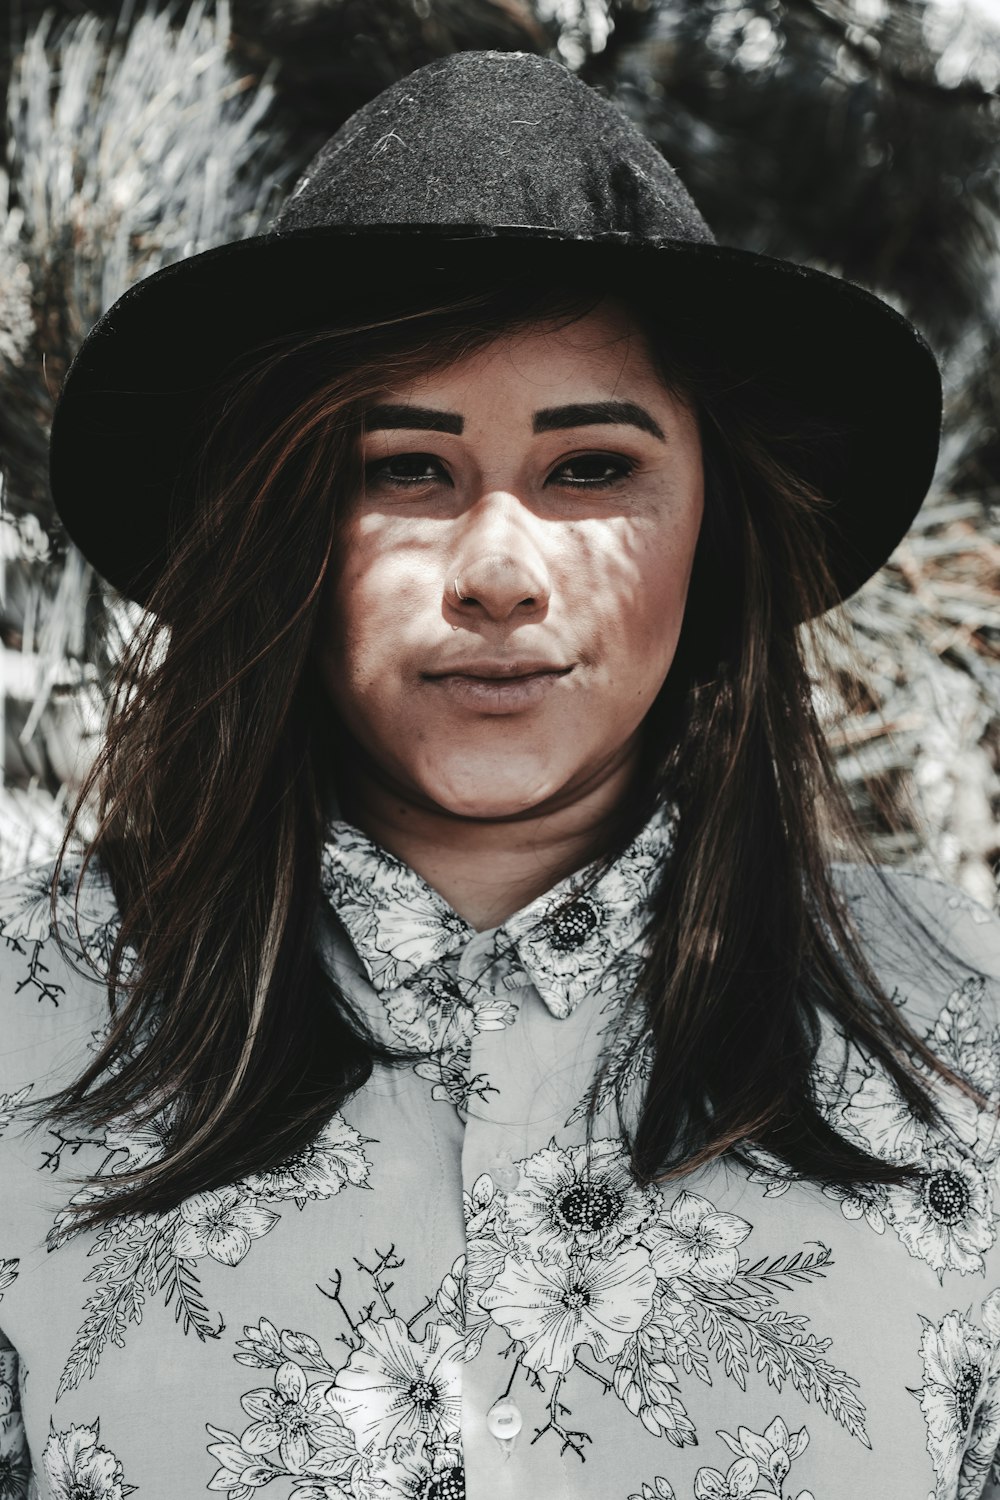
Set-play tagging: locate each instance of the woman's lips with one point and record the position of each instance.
(506, 694)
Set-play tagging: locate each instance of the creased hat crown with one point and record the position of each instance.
(495, 140)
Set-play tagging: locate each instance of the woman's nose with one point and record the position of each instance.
(499, 569)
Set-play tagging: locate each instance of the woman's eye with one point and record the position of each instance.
(592, 470)
(405, 468)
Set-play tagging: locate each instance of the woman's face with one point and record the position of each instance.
(513, 574)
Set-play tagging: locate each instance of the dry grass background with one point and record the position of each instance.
(131, 148)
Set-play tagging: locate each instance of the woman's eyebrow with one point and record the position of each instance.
(419, 418)
(549, 419)
(588, 413)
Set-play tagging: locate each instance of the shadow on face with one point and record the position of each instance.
(514, 569)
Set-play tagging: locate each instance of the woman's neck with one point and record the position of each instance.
(488, 869)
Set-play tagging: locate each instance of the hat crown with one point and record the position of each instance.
(493, 141)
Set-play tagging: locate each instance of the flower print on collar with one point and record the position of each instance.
(565, 940)
(397, 923)
(568, 938)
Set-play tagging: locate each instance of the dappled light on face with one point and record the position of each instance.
(514, 567)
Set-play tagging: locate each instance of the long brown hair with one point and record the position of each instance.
(214, 783)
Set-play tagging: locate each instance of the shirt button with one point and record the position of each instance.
(504, 1173)
(504, 1419)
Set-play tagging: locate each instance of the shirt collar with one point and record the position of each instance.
(565, 940)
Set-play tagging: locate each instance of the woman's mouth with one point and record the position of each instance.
(501, 688)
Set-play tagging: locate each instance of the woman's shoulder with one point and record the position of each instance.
(53, 958)
(896, 910)
(936, 894)
(936, 951)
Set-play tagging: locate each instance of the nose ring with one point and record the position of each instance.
(457, 586)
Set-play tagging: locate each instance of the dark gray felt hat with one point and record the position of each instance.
(478, 169)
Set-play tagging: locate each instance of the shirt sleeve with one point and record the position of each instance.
(15, 1462)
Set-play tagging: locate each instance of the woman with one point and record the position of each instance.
(503, 1089)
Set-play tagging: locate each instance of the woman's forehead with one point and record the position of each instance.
(602, 351)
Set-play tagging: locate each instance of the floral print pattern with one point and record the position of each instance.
(389, 1415)
(9, 1104)
(385, 1422)
(949, 1216)
(553, 1308)
(761, 1467)
(77, 1467)
(8, 1274)
(408, 938)
(577, 1271)
(960, 1399)
(699, 1239)
(395, 1386)
(15, 1463)
(141, 1255)
(642, 1334)
(578, 1202)
(220, 1224)
(649, 1289)
(87, 923)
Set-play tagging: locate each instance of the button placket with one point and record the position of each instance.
(503, 1420)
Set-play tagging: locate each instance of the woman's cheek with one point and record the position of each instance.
(384, 606)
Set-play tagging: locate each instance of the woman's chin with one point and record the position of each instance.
(492, 794)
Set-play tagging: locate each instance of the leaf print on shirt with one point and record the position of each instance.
(960, 1399)
(25, 906)
(136, 1262)
(386, 1423)
(626, 1041)
(76, 1465)
(634, 1294)
(140, 1256)
(10, 1103)
(8, 1274)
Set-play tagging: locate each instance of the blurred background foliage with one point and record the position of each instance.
(861, 136)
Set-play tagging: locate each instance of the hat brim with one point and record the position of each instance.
(822, 347)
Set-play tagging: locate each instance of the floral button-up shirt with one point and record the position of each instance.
(451, 1294)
